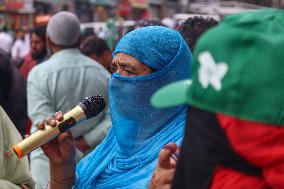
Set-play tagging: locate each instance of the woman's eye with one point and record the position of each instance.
(128, 73)
(113, 67)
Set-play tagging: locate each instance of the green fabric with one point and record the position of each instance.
(112, 33)
(172, 94)
(246, 79)
(13, 171)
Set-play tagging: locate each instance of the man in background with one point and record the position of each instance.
(60, 83)
(97, 49)
(192, 28)
(38, 51)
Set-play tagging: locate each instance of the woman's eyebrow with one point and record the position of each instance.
(126, 65)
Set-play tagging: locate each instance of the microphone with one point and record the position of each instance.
(88, 108)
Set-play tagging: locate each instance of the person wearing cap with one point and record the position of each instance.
(191, 29)
(144, 60)
(60, 83)
(234, 133)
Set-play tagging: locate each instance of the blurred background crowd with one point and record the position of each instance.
(23, 45)
(110, 19)
(103, 22)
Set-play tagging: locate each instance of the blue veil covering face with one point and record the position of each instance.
(128, 155)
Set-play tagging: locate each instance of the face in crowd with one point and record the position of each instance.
(129, 66)
(38, 46)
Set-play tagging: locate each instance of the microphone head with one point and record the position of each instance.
(92, 105)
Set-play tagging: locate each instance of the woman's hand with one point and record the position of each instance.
(164, 172)
(61, 154)
(60, 150)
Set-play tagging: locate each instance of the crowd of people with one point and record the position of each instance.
(198, 106)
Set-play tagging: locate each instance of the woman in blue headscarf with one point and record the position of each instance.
(144, 60)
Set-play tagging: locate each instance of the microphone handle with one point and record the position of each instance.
(41, 137)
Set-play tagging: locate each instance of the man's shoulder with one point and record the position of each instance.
(90, 61)
(55, 64)
(39, 70)
(94, 64)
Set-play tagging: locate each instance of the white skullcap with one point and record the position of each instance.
(64, 29)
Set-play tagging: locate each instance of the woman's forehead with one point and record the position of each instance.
(126, 59)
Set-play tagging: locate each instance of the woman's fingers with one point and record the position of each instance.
(51, 120)
(59, 116)
(166, 154)
(41, 125)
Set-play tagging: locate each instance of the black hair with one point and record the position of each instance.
(5, 77)
(40, 31)
(93, 44)
(88, 32)
(192, 28)
(13, 93)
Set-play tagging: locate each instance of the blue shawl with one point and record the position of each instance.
(128, 155)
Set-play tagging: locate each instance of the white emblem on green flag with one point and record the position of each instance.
(210, 72)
